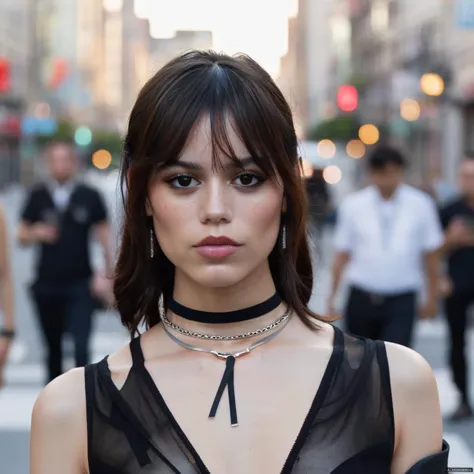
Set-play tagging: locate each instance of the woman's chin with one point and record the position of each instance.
(218, 276)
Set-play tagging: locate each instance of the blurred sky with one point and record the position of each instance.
(256, 27)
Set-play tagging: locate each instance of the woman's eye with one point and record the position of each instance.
(248, 180)
(183, 181)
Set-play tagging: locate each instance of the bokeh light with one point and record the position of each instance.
(432, 84)
(102, 159)
(355, 149)
(347, 98)
(332, 174)
(369, 134)
(83, 136)
(326, 149)
(410, 109)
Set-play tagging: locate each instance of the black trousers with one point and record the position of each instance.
(62, 308)
(456, 308)
(386, 318)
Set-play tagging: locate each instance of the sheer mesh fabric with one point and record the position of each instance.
(349, 427)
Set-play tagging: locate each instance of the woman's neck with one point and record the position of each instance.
(244, 294)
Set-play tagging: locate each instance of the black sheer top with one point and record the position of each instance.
(349, 428)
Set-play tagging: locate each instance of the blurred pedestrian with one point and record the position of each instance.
(389, 236)
(58, 216)
(458, 284)
(319, 201)
(7, 331)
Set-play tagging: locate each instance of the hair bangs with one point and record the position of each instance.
(175, 117)
(243, 106)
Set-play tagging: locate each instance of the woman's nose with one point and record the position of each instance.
(215, 205)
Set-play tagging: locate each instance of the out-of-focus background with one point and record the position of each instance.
(354, 71)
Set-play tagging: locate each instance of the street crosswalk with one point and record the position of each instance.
(24, 382)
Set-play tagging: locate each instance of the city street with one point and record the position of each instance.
(24, 374)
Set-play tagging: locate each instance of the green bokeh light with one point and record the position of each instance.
(83, 136)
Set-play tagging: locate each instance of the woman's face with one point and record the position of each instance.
(189, 202)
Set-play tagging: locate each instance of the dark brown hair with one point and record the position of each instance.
(167, 109)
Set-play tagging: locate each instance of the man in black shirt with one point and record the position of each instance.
(458, 221)
(58, 216)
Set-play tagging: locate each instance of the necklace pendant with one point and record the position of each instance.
(221, 355)
(226, 355)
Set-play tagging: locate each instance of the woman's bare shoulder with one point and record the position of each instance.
(418, 420)
(62, 392)
(410, 373)
(59, 426)
(62, 399)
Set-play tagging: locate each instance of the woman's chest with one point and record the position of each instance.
(273, 397)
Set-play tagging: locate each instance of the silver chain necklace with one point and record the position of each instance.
(217, 337)
(228, 377)
(225, 355)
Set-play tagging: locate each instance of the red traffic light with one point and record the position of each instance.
(4, 75)
(347, 98)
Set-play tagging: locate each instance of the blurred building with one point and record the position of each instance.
(15, 60)
(15, 26)
(164, 49)
(339, 45)
(457, 44)
(393, 44)
(93, 57)
(304, 70)
(136, 56)
(116, 69)
(384, 48)
(291, 80)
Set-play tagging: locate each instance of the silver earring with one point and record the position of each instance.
(152, 244)
(283, 237)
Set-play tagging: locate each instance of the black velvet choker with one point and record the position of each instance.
(236, 316)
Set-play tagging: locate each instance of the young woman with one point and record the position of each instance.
(234, 373)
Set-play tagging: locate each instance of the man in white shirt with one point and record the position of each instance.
(388, 235)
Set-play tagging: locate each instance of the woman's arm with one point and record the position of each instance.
(418, 421)
(59, 429)
(6, 293)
